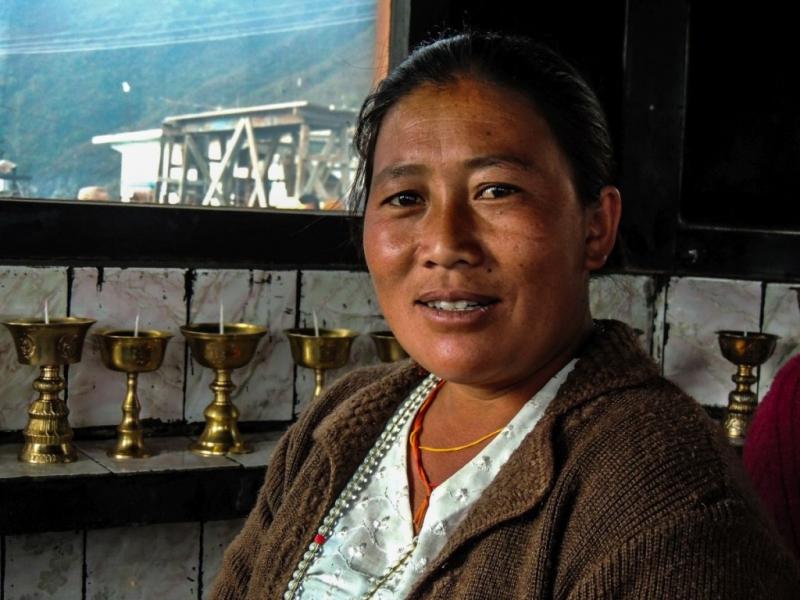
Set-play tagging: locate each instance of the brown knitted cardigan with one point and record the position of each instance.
(624, 489)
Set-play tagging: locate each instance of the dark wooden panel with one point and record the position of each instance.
(761, 255)
(30, 505)
(655, 82)
(86, 234)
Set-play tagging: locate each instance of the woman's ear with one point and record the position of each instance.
(602, 221)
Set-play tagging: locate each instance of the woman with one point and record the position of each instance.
(525, 451)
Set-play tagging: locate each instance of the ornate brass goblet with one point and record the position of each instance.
(328, 350)
(48, 436)
(122, 351)
(387, 346)
(747, 350)
(223, 352)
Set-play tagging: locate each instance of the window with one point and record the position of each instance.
(234, 103)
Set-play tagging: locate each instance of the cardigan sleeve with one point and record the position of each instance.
(716, 552)
(234, 576)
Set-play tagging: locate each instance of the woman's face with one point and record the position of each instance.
(476, 241)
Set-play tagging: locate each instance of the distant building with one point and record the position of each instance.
(9, 179)
(139, 169)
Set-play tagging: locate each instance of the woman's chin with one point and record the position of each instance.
(463, 369)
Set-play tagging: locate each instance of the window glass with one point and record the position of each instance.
(246, 103)
(742, 123)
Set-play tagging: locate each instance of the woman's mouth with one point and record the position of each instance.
(456, 306)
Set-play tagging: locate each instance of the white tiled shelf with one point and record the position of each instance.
(169, 454)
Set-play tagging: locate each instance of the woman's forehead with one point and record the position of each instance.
(465, 97)
(465, 120)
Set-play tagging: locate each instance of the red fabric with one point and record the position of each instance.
(772, 452)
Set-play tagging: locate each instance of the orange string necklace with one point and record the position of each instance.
(416, 453)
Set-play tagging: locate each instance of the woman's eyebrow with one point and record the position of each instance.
(499, 160)
(399, 170)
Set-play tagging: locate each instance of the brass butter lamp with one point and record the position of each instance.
(747, 350)
(231, 349)
(48, 345)
(387, 346)
(320, 350)
(131, 353)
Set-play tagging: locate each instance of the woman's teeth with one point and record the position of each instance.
(453, 306)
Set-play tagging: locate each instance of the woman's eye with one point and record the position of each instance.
(496, 191)
(403, 200)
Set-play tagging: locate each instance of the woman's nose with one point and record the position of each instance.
(450, 237)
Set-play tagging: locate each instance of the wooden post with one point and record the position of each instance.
(320, 170)
(230, 149)
(184, 168)
(301, 157)
(199, 159)
(160, 179)
(254, 168)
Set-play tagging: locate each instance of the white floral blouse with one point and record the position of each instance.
(373, 552)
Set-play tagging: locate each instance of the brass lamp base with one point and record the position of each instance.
(48, 436)
(221, 433)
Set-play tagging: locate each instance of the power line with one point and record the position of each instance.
(140, 22)
(99, 35)
(190, 39)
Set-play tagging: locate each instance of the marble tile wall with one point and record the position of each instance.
(216, 537)
(625, 298)
(153, 561)
(43, 566)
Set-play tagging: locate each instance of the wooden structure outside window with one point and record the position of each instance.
(228, 157)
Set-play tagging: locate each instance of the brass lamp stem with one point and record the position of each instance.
(48, 436)
(221, 433)
(319, 382)
(130, 438)
(742, 404)
(223, 387)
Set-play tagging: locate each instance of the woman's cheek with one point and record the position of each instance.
(386, 244)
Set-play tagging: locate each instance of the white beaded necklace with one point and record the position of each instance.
(358, 482)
